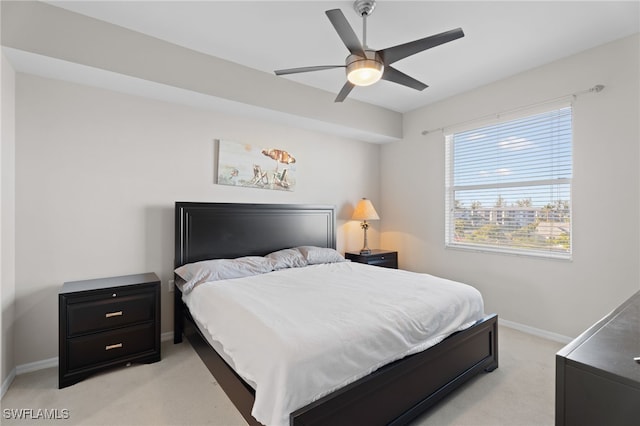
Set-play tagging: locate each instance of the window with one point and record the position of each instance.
(508, 186)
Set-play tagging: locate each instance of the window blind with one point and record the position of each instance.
(508, 185)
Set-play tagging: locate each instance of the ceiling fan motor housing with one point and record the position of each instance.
(364, 71)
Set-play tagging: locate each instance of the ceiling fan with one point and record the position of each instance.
(365, 66)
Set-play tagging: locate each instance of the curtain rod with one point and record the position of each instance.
(595, 89)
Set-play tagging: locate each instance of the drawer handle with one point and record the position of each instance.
(113, 314)
(116, 346)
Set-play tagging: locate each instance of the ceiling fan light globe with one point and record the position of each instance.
(364, 72)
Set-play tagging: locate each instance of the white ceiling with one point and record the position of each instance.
(502, 38)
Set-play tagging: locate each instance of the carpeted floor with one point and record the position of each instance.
(179, 390)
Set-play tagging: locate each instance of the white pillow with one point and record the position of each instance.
(315, 255)
(286, 258)
(222, 269)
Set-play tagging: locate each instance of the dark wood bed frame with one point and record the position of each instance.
(394, 394)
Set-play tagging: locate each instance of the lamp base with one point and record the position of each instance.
(365, 246)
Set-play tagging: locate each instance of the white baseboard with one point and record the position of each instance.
(164, 337)
(26, 368)
(37, 365)
(7, 382)
(535, 331)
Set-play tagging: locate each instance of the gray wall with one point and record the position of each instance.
(97, 173)
(560, 297)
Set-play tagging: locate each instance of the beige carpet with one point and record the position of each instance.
(179, 390)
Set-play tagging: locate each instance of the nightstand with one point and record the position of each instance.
(107, 322)
(385, 258)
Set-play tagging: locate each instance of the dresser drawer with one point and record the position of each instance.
(102, 314)
(110, 345)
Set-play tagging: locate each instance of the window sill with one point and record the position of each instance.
(536, 254)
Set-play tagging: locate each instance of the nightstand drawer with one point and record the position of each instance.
(377, 257)
(111, 345)
(104, 314)
(383, 259)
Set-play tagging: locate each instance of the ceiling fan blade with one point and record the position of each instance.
(307, 69)
(401, 51)
(392, 74)
(344, 92)
(346, 33)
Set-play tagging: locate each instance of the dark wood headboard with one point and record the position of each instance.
(228, 230)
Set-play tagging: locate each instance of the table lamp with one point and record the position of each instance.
(364, 211)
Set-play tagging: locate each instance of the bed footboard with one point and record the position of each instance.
(409, 386)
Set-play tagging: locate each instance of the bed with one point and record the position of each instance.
(393, 394)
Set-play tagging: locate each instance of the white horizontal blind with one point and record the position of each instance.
(509, 186)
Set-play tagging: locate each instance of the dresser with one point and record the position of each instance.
(107, 322)
(384, 258)
(597, 379)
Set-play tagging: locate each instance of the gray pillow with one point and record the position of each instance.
(222, 269)
(316, 255)
(286, 258)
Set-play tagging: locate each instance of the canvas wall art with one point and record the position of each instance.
(255, 166)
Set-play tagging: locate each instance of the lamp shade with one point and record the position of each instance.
(365, 211)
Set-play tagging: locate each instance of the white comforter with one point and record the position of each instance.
(301, 333)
